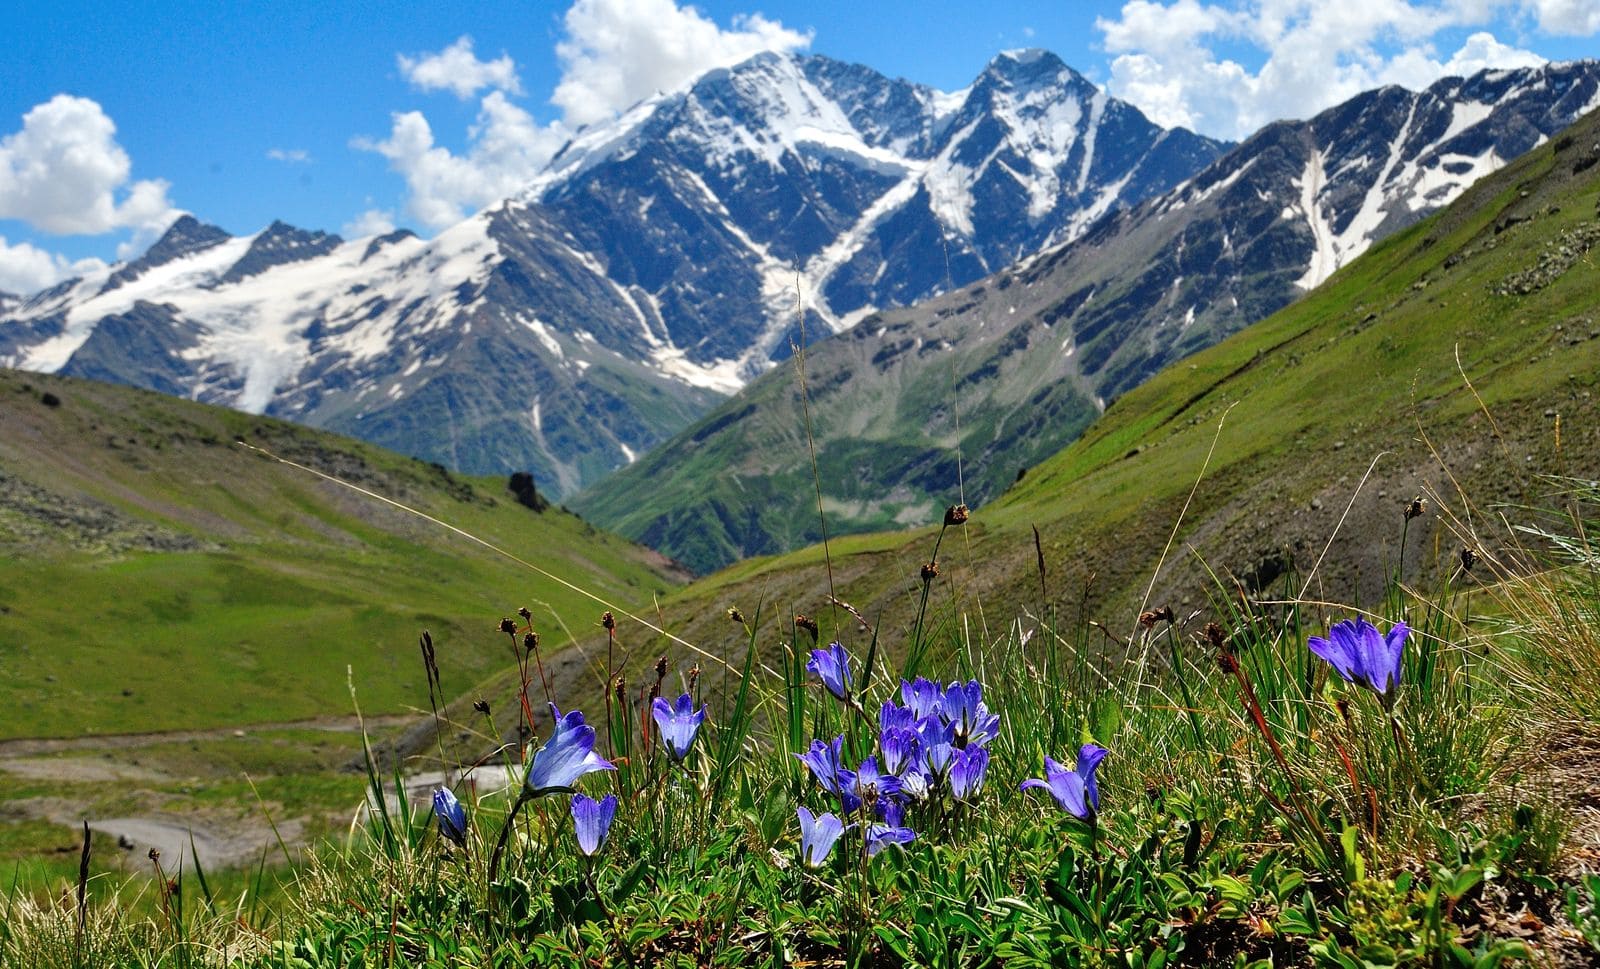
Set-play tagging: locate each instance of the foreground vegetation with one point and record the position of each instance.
(1263, 798)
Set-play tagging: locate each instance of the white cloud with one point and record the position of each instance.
(292, 156)
(615, 53)
(63, 173)
(25, 268)
(1313, 54)
(372, 222)
(618, 52)
(457, 70)
(1576, 17)
(506, 149)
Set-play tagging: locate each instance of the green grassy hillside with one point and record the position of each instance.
(1462, 352)
(154, 575)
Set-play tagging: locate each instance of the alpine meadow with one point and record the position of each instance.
(799, 516)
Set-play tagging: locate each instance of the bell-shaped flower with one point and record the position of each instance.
(923, 697)
(823, 760)
(817, 836)
(969, 717)
(881, 836)
(916, 783)
(832, 666)
(893, 716)
(591, 820)
(967, 770)
(1362, 655)
(868, 783)
(678, 723)
(1074, 789)
(451, 815)
(902, 750)
(567, 756)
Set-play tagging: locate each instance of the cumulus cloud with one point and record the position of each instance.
(25, 268)
(1576, 17)
(618, 52)
(63, 173)
(292, 156)
(1316, 54)
(506, 147)
(457, 70)
(372, 222)
(614, 53)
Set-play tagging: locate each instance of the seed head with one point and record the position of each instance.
(608, 620)
(930, 571)
(1416, 509)
(1214, 635)
(525, 614)
(806, 623)
(1150, 617)
(735, 615)
(661, 669)
(955, 515)
(508, 627)
(481, 705)
(619, 687)
(1469, 558)
(530, 641)
(694, 676)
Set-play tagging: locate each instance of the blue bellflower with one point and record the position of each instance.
(923, 696)
(452, 816)
(1075, 790)
(591, 821)
(566, 757)
(881, 836)
(866, 785)
(902, 750)
(678, 723)
(1362, 655)
(817, 836)
(823, 760)
(967, 770)
(832, 666)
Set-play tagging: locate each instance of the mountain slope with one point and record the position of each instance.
(953, 399)
(1298, 442)
(648, 271)
(155, 576)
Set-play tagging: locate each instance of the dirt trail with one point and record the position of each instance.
(220, 838)
(35, 746)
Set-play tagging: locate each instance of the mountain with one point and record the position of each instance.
(155, 576)
(956, 398)
(1458, 360)
(649, 270)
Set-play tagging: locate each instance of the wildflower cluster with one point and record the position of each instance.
(930, 745)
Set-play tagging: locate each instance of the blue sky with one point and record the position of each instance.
(115, 117)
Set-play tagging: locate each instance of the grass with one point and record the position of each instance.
(1254, 809)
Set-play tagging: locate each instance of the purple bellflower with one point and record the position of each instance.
(452, 816)
(923, 697)
(968, 716)
(823, 760)
(867, 785)
(893, 716)
(1075, 790)
(902, 750)
(678, 723)
(817, 836)
(591, 820)
(881, 836)
(1362, 655)
(832, 666)
(567, 756)
(967, 770)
